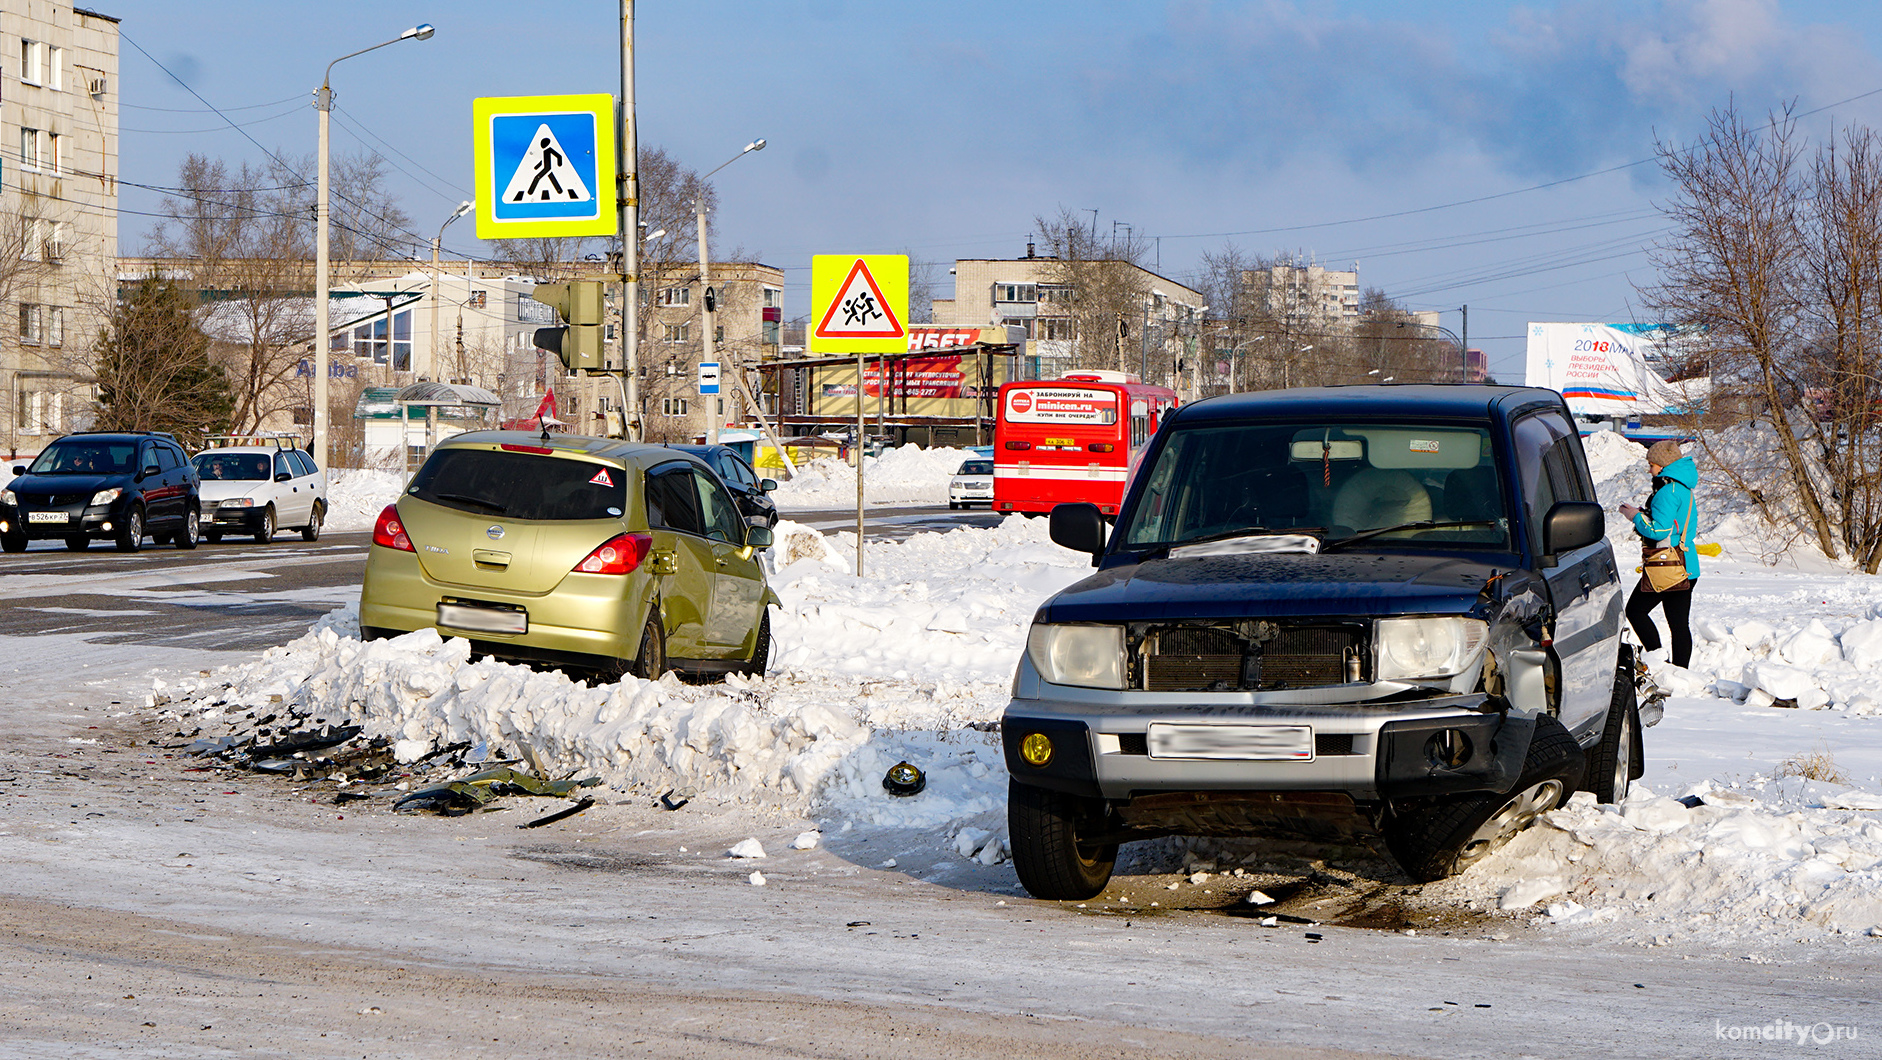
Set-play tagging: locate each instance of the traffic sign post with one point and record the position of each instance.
(708, 377)
(860, 303)
(544, 166)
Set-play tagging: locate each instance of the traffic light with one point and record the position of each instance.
(578, 305)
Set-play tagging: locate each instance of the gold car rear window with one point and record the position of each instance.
(521, 485)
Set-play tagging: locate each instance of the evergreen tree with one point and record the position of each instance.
(154, 372)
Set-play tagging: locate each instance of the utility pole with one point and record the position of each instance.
(1464, 368)
(626, 167)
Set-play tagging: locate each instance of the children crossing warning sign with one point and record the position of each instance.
(544, 166)
(861, 301)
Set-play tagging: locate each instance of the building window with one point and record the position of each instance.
(54, 246)
(1015, 292)
(35, 239)
(31, 55)
(54, 159)
(674, 296)
(676, 333)
(32, 324)
(718, 333)
(55, 326)
(55, 68)
(1023, 323)
(29, 148)
(774, 298)
(41, 412)
(1054, 329)
(673, 406)
(1055, 293)
(770, 331)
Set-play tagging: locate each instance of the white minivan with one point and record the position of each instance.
(260, 484)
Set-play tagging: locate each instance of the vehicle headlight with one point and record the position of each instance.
(1086, 656)
(239, 502)
(7, 497)
(105, 496)
(1424, 647)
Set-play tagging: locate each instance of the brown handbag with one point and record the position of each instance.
(1663, 569)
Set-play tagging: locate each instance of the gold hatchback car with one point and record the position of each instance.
(588, 553)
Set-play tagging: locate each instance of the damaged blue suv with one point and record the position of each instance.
(1333, 614)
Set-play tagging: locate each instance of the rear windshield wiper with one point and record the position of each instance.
(1423, 524)
(479, 501)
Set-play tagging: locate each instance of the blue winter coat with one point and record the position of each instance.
(1670, 514)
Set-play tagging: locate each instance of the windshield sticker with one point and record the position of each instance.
(1424, 445)
(601, 477)
(614, 511)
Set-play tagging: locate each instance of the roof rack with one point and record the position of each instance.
(229, 441)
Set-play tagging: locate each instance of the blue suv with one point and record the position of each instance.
(120, 485)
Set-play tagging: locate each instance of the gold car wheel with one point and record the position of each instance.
(651, 661)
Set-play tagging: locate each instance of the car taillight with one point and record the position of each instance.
(1019, 445)
(617, 555)
(1101, 447)
(389, 532)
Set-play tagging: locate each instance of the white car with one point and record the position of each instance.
(972, 484)
(260, 488)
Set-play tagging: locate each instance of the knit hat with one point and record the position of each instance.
(1663, 452)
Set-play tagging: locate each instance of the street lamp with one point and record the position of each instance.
(323, 102)
(462, 209)
(705, 287)
(1462, 354)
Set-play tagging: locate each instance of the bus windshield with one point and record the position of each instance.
(1394, 483)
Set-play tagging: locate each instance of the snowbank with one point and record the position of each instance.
(908, 474)
(356, 496)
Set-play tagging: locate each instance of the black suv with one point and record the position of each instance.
(751, 493)
(1336, 613)
(120, 485)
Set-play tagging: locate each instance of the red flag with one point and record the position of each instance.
(547, 408)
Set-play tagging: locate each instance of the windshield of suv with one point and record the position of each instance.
(976, 467)
(85, 458)
(232, 467)
(521, 485)
(1424, 484)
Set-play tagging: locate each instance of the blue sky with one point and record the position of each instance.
(1403, 136)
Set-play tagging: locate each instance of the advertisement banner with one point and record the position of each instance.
(1608, 369)
(918, 377)
(1060, 404)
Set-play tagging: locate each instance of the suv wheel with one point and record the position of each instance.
(266, 533)
(131, 530)
(1447, 835)
(311, 532)
(1613, 763)
(1044, 827)
(651, 661)
(190, 532)
(13, 541)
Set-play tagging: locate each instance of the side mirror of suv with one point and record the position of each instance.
(1078, 526)
(1571, 525)
(18, 470)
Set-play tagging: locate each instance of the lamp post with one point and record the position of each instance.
(323, 102)
(1234, 355)
(1463, 356)
(705, 289)
(462, 209)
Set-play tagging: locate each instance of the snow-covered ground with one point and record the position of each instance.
(1780, 827)
(908, 474)
(356, 496)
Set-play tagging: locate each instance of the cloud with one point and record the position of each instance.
(1555, 90)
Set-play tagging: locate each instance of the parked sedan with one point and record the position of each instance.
(972, 484)
(591, 553)
(120, 485)
(750, 492)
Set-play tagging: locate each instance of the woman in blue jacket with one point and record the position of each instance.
(1667, 522)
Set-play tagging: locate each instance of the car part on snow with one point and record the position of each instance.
(903, 780)
(472, 792)
(667, 800)
(560, 814)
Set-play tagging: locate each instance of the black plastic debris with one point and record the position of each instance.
(345, 797)
(1692, 802)
(672, 803)
(903, 780)
(560, 814)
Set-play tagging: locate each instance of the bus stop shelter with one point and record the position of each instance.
(472, 406)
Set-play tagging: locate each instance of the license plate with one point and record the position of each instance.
(47, 517)
(1245, 742)
(1059, 441)
(483, 619)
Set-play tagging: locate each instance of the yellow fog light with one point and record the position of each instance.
(1036, 749)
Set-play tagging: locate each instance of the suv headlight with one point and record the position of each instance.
(1085, 656)
(105, 496)
(1424, 647)
(7, 497)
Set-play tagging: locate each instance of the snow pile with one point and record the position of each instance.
(908, 474)
(356, 496)
(1737, 861)
(910, 664)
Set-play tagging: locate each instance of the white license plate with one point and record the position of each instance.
(483, 619)
(1244, 742)
(47, 517)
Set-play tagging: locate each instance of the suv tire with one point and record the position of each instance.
(311, 532)
(1613, 761)
(13, 541)
(266, 533)
(77, 542)
(131, 530)
(190, 532)
(1444, 836)
(1043, 827)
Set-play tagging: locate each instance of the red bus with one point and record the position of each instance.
(1073, 438)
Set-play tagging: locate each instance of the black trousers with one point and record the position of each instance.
(1677, 606)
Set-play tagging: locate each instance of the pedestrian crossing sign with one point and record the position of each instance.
(544, 166)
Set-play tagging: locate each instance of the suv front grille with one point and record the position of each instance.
(1247, 656)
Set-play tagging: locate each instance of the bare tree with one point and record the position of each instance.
(1094, 281)
(924, 279)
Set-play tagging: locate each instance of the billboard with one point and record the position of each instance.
(1609, 369)
(920, 377)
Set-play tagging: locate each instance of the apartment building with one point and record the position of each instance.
(1305, 297)
(58, 210)
(747, 317)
